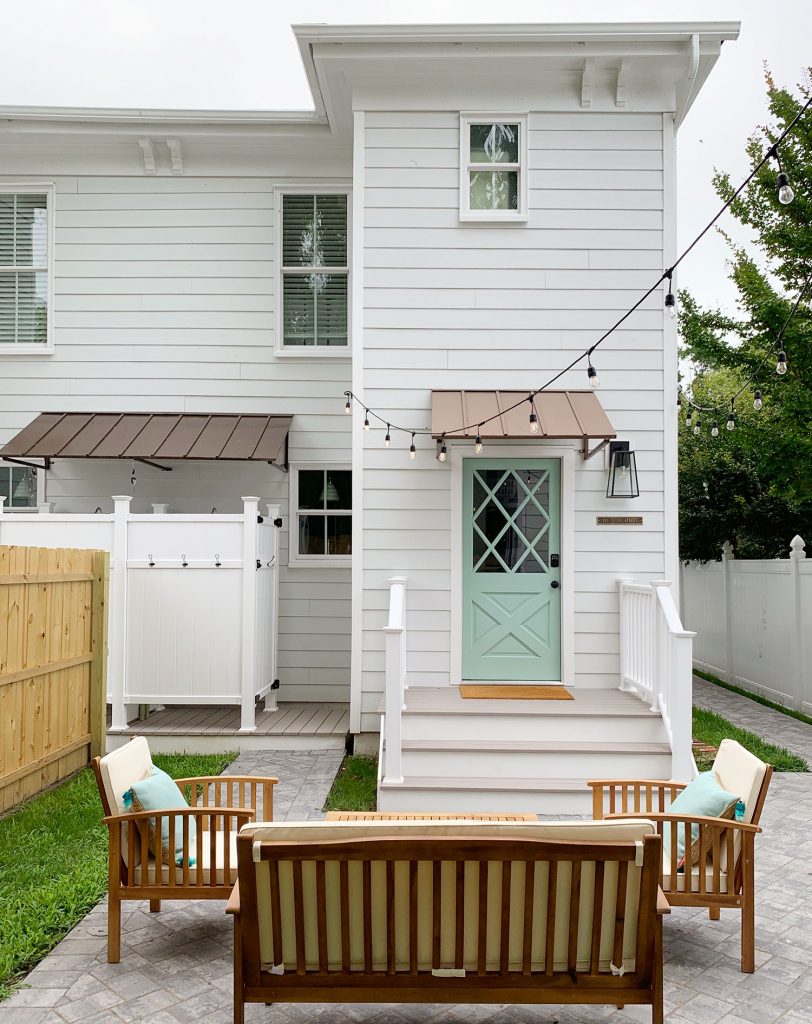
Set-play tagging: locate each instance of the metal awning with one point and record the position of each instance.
(562, 415)
(144, 437)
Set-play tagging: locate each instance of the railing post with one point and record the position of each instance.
(395, 678)
(249, 613)
(273, 625)
(727, 557)
(623, 644)
(677, 682)
(118, 619)
(797, 553)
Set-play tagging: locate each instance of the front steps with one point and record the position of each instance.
(520, 756)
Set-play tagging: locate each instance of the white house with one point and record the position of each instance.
(463, 215)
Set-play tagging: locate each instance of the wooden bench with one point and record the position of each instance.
(448, 911)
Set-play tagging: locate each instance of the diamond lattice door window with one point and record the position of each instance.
(511, 579)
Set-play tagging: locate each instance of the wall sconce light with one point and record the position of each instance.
(622, 472)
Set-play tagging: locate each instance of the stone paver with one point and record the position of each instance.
(768, 724)
(176, 965)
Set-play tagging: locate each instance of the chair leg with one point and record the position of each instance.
(154, 906)
(748, 932)
(657, 975)
(113, 929)
(239, 995)
(714, 913)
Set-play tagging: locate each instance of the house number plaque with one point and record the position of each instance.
(619, 520)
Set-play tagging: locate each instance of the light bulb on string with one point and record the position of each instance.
(388, 439)
(412, 449)
(347, 404)
(785, 193)
(443, 453)
(698, 426)
(534, 420)
(592, 375)
(781, 365)
(689, 417)
(670, 300)
(731, 417)
(478, 441)
(366, 420)
(757, 400)
(714, 429)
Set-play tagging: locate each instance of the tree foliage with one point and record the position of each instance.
(753, 485)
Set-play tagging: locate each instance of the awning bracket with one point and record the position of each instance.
(284, 466)
(587, 454)
(46, 463)
(155, 465)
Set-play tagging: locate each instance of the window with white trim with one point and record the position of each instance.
(314, 270)
(26, 262)
(493, 167)
(18, 485)
(321, 520)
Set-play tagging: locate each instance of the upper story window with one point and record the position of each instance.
(26, 268)
(493, 168)
(314, 271)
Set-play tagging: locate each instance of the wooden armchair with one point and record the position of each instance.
(724, 873)
(138, 869)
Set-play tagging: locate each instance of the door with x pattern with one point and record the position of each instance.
(511, 622)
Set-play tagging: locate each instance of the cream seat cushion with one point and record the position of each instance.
(119, 770)
(739, 771)
(204, 876)
(682, 885)
(581, 831)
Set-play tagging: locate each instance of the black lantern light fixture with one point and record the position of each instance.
(622, 472)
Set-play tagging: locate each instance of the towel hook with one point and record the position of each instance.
(151, 563)
(217, 561)
(183, 561)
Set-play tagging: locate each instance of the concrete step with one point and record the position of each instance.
(549, 759)
(499, 796)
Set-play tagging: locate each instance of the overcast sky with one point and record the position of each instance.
(241, 54)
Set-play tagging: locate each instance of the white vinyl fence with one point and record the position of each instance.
(753, 620)
(193, 600)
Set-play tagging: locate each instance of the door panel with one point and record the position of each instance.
(511, 598)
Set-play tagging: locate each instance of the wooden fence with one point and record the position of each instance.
(53, 639)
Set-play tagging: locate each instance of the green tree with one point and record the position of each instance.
(753, 485)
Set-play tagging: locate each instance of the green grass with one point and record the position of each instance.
(355, 787)
(53, 863)
(764, 701)
(711, 728)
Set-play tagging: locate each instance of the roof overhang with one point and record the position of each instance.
(505, 415)
(146, 437)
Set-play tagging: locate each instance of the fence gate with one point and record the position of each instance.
(53, 637)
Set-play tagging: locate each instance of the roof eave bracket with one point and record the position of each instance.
(155, 465)
(587, 454)
(46, 463)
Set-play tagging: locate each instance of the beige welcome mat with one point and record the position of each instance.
(503, 692)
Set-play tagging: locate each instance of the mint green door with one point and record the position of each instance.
(511, 617)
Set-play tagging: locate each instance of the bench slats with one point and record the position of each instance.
(529, 896)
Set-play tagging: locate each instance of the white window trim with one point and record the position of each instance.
(492, 216)
(39, 491)
(308, 351)
(38, 188)
(295, 560)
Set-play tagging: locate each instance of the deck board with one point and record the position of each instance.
(291, 719)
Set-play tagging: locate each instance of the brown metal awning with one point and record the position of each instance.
(220, 437)
(562, 415)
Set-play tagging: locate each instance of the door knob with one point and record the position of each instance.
(555, 584)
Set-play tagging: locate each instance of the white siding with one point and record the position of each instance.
(450, 305)
(164, 301)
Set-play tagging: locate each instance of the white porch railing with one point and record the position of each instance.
(395, 686)
(656, 662)
(193, 601)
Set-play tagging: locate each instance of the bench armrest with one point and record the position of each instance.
(243, 814)
(634, 796)
(696, 819)
(233, 905)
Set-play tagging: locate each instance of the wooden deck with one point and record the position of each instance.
(202, 729)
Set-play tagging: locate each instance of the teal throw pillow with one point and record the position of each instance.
(159, 792)
(703, 797)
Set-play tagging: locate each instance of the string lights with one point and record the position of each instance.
(785, 196)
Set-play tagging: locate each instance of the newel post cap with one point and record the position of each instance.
(797, 547)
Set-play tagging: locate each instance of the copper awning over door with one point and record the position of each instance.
(561, 415)
(220, 437)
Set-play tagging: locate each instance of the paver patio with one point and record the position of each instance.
(176, 966)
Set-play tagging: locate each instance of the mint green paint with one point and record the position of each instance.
(511, 620)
